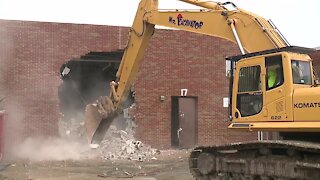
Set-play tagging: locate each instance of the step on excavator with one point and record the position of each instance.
(273, 87)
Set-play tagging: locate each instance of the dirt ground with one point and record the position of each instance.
(168, 165)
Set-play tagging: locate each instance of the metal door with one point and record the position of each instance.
(187, 123)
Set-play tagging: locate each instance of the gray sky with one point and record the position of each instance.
(299, 21)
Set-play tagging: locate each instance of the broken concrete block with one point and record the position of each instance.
(94, 146)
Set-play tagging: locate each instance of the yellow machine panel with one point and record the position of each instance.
(306, 104)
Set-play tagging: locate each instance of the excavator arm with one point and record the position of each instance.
(250, 32)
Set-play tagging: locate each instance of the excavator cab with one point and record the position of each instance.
(274, 86)
(272, 90)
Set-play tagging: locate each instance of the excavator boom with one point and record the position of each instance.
(251, 32)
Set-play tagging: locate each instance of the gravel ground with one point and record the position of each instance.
(119, 156)
(168, 165)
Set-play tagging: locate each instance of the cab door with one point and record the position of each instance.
(249, 90)
(275, 89)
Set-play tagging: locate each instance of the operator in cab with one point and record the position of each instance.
(274, 76)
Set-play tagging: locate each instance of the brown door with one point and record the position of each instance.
(186, 131)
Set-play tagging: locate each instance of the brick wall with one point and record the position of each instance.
(316, 60)
(177, 60)
(31, 54)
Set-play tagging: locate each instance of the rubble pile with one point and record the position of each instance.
(117, 143)
(120, 144)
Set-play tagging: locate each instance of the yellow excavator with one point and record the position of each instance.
(273, 87)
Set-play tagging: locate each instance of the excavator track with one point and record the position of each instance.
(257, 160)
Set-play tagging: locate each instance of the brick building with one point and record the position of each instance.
(31, 54)
(316, 58)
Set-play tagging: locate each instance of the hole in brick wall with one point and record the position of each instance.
(84, 80)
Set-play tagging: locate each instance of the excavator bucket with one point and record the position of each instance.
(98, 118)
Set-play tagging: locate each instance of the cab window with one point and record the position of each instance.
(274, 69)
(301, 73)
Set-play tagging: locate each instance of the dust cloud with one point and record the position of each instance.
(70, 145)
(56, 149)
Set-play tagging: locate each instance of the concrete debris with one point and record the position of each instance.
(103, 175)
(116, 174)
(94, 146)
(120, 144)
(65, 71)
